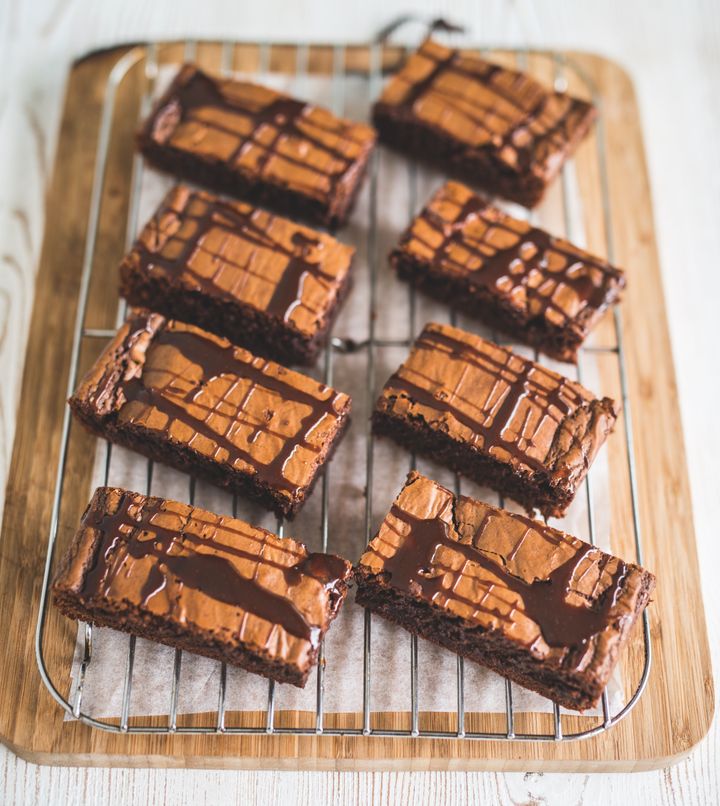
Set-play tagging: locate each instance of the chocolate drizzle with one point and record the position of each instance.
(556, 399)
(184, 558)
(178, 398)
(283, 117)
(505, 270)
(518, 142)
(416, 568)
(289, 290)
(241, 224)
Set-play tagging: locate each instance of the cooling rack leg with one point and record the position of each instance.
(509, 715)
(127, 690)
(460, 697)
(270, 720)
(177, 668)
(220, 724)
(366, 673)
(87, 657)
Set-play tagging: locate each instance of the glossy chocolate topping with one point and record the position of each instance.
(186, 385)
(511, 408)
(544, 589)
(485, 106)
(243, 254)
(460, 234)
(543, 600)
(187, 565)
(260, 132)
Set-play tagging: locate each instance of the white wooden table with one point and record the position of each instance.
(671, 49)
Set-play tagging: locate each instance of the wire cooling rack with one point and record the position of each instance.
(73, 703)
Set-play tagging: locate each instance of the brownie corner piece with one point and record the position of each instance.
(495, 127)
(209, 584)
(530, 602)
(194, 401)
(256, 143)
(496, 417)
(264, 282)
(516, 278)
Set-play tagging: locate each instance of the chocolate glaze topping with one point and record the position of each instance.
(530, 261)
(205, 259)
(283, 115)
(289, 290)
(529, 601)
(135, 531)
(543, 600)
(489, 420)
(277, 125)
(218, 358)
(484, 105)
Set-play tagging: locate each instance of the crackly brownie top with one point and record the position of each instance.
(216, 574)
(191, 387)
(507, 406)
(236, 252)
(564, 600)
(539, 276)
(259, 132)
(485, 106)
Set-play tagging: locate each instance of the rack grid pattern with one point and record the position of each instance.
(149, 53)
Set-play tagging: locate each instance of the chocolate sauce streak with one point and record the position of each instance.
(529, 117)
(284, 115)
(288, 292)
(413, 567)
(216, 360)
(326, 568)
(490, 425)
(178, 555)
(495, 264)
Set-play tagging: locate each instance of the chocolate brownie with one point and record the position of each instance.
(196, 402)
(515, 277)
(212, 585)
(261, 281)
(488, 125)
(495, 416)
(530, 602)
(257, 144)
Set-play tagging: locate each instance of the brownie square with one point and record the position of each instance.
(262, 281)
(258, 144)
(498, 418)
(206, 583)
(196, 402)
(488, 125)
(530, 602)
(517, 278)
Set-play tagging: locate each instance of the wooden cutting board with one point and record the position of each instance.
(675, 710)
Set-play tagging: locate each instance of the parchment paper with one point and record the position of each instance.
(400, 192)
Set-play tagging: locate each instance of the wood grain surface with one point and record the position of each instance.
(38, 41)
(678, 701)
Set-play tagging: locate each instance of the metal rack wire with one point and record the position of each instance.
(149, 54)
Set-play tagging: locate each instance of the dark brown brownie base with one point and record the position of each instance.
(217, 177)
(416, 436)
(184, 459)
(471, 166)
(557, 342)
(156, 629)
(264, 335)
(488, 648)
